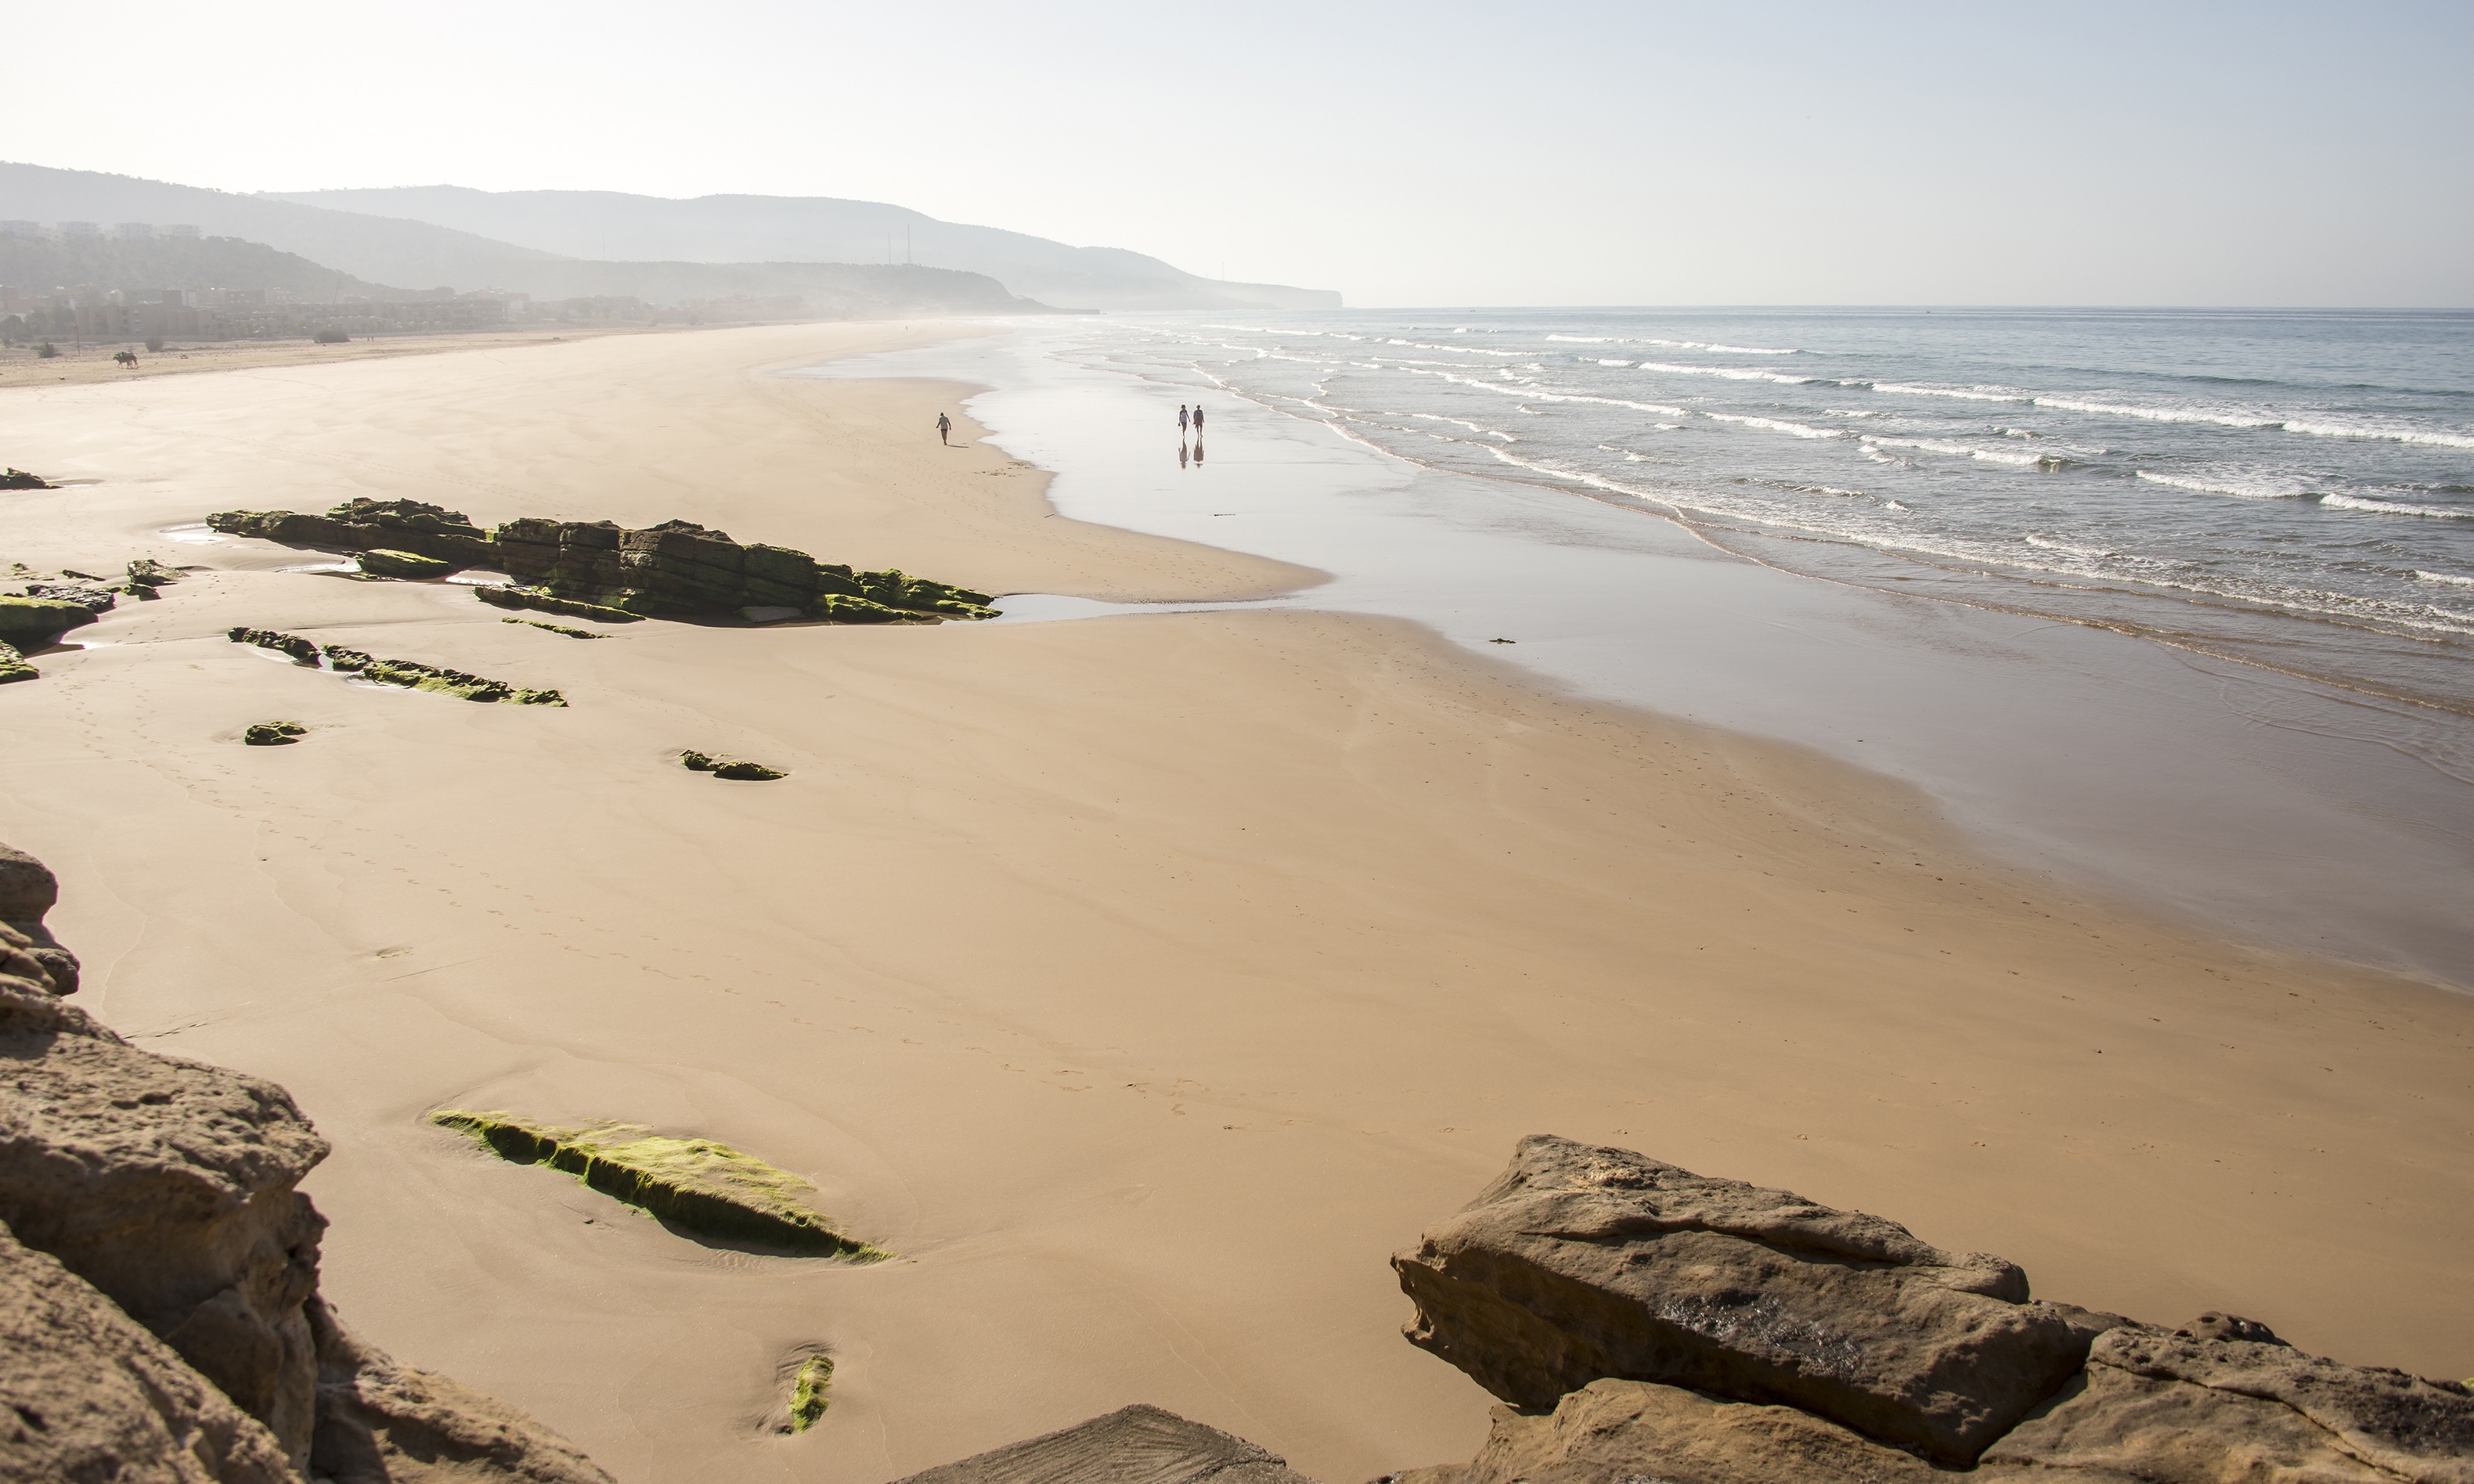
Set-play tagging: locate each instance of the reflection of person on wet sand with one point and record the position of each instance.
(1180, 453)
(944, 429)
(1198, 450)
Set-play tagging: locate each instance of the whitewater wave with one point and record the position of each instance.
(2450, 578)
(1978, 395)
(2240, 491)
(2395, 508)
(1703, 345)
(1730, 373)
(1792, 429)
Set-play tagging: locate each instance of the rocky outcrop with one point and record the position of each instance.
(27, 890)
(273, 733)
(30, 623)
(593, 568)
(164, 1189)
(1649, 1323)
(536, 599)
(1582, 1261)
(364, 525)
(1135, 1445)
(2225, 1399)
(407, 673)
(572, 634)
(14, 665)
(699, 1187)
(14, 478)
(87, 1394)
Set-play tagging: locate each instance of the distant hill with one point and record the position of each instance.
(38, 265)
(382, 249)
(607, 224)
(390, 249)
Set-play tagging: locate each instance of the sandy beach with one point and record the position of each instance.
(1141, 982)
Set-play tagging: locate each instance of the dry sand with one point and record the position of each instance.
(1143, 981)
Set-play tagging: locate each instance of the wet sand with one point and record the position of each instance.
(1143, 982)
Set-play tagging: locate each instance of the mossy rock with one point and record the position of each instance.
(550, 603)
(810, 1393)
(382, 562)
(303, 651)
(572, 634)
(20, 479)
(415, 676)
(742, 771)
(14, 665)
(273, 733)
(696, 1185)
(36, 621)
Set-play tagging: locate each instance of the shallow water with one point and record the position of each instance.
(2260, 801)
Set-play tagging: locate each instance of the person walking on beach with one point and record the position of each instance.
(1197, 421)
(1180, 422)
(944, 430)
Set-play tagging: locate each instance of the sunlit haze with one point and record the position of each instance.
(1437, 153)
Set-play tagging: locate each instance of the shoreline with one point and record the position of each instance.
(2255, 803)
(1142, 984)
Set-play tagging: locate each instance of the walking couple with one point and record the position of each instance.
(1186, 418)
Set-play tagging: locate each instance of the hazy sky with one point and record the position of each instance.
(1428, 153)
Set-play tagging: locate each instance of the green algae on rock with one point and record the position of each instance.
(273, 733)
(381, 562)
(14, 665)
(810, 1393)
(742, 771)
(18, 479)
(39, 620)
(304, 651)
(701, 1187)
(535, 598)
(572, 634)
(676, 570)
(415, 676)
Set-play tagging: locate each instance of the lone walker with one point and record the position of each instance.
(944, 430)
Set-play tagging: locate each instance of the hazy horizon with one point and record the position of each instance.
(1581, 156)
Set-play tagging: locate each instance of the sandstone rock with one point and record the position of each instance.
(380, 1423)
(2225, 1398)
(1611, 1430)
(303, 651)
(415, 676)
(167, 1184)
(14, 665)
(1583, 1262)
(548, 603)
(26, 891)
(15, 478)
(30, 623)
(85, 596)
(148, 574)
(273, 733)
(87, 1394)
(1135, 1445)
(379, 562)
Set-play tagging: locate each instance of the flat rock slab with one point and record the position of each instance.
(2199, 1404)
(1135, 1445)
(1582, 1262)
(1636, 1432)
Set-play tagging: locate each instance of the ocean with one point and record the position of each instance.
(2290, 488)
(2177, 603)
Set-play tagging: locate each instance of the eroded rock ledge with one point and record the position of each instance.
(597, 569)
(160, 1315)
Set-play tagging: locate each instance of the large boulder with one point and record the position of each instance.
(164, 1187)
(2225, 1399)
(1135, 1445)
(1581, 1263)
(87, 1394)
(358, 524)
(30, 623)
(167, 1184)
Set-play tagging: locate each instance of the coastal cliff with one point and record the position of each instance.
(159, 1312)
